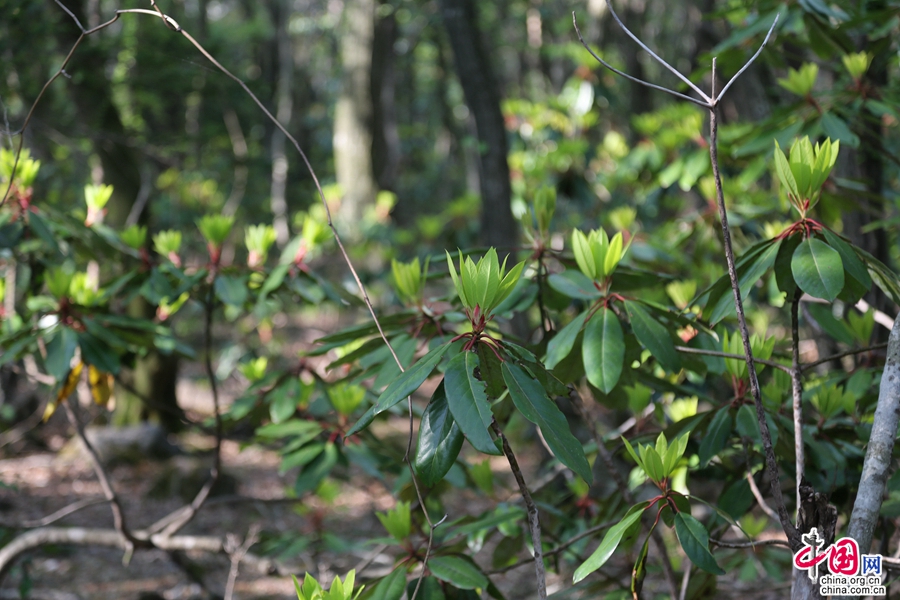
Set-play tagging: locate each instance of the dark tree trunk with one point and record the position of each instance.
(385, 136)
(498, 228)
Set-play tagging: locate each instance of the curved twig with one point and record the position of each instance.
(631, 78)
(646, 49)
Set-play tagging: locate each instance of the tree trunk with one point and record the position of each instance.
(385, 136)
(498, 228)
(353, 115)
(280, 10)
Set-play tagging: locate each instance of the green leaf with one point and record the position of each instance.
(837, 129)
(695, 540)
(40, 227)
(852, 264)
(574, 284)
(410, 380)
(391, 587)
(60, 350)
(458, 571)
(532, 401)
(717, 434)
(653, 336)
(784, 278)
(610, 542)
(94, 352)
(468, 401)
(817, 269)
(783, 168)
(639, 571)
(561, 344)
(314, 472)
(440, 440)
(431, 589)
(231, 290)
(603, 350)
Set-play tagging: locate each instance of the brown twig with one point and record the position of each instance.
(237, 552)
(109, 493)
(704, 352)
(771, 463)
(841, 355)
(534, 523)
(560, 548)
(750, 544)
(797, 394)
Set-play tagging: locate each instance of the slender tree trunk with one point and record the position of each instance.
(498, 228)
(385, 135)
(280, 11)
(353, 114)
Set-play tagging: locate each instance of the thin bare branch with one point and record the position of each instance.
(629, 77)
(841, 355)
(746, 66)
(771, 463)
(704, 352)
(797, 395)
(237, 552)
(128, 539)
(64, 512)
(534, 522)
(560, 548)
(750, 544)
(644, 46)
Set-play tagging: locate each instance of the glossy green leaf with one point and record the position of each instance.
(95, 352)
(561, 344)
(431, 589)
(458, 571)
(653, 336)
(60, 350)
(717, 434)
(818, 269)
(532, 401)
(603, 350)
(410, 380)
(440, 440)
(639, 571)
(695, 540)
(468, 401)
(610, 542)
(783, 168)
(837, 129)
(574, 284)
(851, 261)
(391, 587)
(784, 277)
(231, 290)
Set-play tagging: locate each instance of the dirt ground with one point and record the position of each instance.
(45, 472)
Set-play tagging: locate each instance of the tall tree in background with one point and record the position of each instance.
(353, 112)
(280, 12)
(498, 228)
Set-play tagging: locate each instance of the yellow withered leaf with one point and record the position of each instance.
(101, 384)
(48, 412)
(71, 381)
